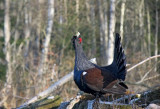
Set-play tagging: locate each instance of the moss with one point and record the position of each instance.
(50, 103)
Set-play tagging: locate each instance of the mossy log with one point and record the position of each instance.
(46, 103)
(146, 98)
(82, 102)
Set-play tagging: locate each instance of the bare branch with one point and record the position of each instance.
(143, 62)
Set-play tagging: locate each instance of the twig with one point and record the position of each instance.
(123, 98)
(20, 97)
(144, 76)
(143, 62)
(73, 102)
(158, 75)
(111, 103)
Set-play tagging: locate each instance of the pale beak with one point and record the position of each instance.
(78, 34)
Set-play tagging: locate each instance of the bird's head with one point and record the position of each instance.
(76, 40)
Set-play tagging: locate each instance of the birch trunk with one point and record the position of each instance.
(46, 43)
(149, 31)
(105, 29)
(88, 6)
(102, 34)
(141, 23)
(156, 35)
(9, 81)
(43, 67)
(122, 18)
(92, 12)
(77, 12)
(112, 22)
(7, 41)
(27, 29)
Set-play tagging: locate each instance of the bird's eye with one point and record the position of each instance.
(80, 40)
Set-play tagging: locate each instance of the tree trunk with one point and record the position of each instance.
(102, 33)
(88, 6)
(92, 12)
(65, 11)
(7, 41)
(27, 29)
(149, 32)
(77, 12)
(112, 23)
(105, 29)
(9, 78)
(122, 18)
(43, 67)
(156, 35)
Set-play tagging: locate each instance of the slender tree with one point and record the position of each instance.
(43, 64)
(122, 18)
(156, 34)
(149, 31)
(111, 31)
(102, 33)
(9, 79)
(27, 28)
(77, 12)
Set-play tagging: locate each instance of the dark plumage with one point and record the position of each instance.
(97, 80)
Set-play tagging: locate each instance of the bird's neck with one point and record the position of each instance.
(81, 61)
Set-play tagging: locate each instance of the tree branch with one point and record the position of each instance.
(156, 56)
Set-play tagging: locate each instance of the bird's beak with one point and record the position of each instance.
(78, 34)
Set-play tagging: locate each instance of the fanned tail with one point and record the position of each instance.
(119, 58)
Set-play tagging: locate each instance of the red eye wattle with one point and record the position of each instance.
(80, 40)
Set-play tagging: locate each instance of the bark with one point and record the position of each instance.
(46, 43)
(141, 24)
(7, 41)
(9, 79)
(122, 18)
(27, 28)
(149, 31)
(88, 6)
(92, 12)
(112, 22)
(65, 11)
(156, 35)
(44, 66)
(77, 12)
(103, 32)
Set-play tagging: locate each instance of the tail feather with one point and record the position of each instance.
(119, 58)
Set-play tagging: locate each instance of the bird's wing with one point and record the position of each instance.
(93, 79)
(112, 84)
(116, 87)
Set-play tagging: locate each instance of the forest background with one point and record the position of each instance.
(36, 49)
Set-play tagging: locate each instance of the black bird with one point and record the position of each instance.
(98, 80)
